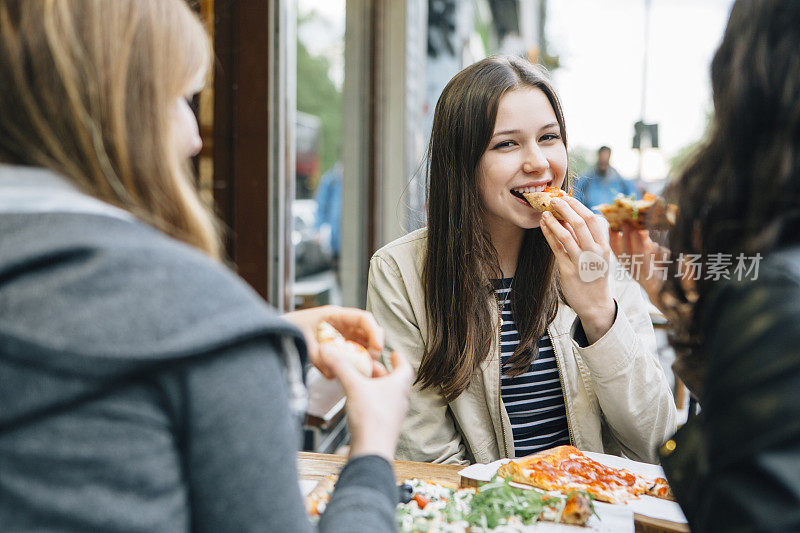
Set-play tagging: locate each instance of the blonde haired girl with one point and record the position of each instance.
(144, 386)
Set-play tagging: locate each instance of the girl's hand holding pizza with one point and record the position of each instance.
(582, 252)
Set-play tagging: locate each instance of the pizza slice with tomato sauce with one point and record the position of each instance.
(565, 469)
(650, 212)
(541, 200)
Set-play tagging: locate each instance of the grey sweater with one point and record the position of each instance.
(142, 386)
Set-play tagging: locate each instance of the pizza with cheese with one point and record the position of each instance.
(650, 212)
(565, 468)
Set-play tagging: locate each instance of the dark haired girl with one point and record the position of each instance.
(515, 352)
(736, 467)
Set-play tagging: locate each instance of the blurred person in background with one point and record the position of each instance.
(736, 466)
(329, 207)
(145, 387)
(515, 352)
(602, 183)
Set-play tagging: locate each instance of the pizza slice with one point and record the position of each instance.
(578, 509)
(650, 212)
(565, 468)
(541, 200)
(358, 356)
(659, 488)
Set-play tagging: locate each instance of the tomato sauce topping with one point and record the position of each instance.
(584, 471)
(555, 192)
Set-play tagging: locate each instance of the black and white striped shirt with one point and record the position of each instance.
(534, 400)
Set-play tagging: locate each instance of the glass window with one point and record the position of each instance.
(317, 205)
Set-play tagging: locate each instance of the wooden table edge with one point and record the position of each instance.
(648, 524)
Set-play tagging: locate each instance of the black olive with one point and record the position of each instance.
(405, 492)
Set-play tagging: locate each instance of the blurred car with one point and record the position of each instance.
(312, 248)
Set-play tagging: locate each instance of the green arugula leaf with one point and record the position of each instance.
(495, 502)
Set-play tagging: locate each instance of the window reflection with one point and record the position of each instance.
(317, 206)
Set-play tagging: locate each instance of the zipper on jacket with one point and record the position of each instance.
(500, 373)
(563, 389)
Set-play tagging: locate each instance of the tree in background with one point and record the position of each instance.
(317, 95)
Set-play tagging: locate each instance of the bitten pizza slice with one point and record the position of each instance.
(541, 200)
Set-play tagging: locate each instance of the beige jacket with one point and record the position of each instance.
(617, 397)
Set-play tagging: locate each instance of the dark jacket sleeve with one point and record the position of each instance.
(239, 445)
(737, 467)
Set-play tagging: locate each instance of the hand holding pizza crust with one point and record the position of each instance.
(343, 343)
(354, 326)
(330, 340)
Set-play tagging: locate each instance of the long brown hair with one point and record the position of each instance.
(87, 89)
(460, 259)
(740, 193)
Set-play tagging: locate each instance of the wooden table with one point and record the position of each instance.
(320, 465)
(317, 466)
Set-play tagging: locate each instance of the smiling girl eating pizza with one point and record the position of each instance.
(517, 349)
